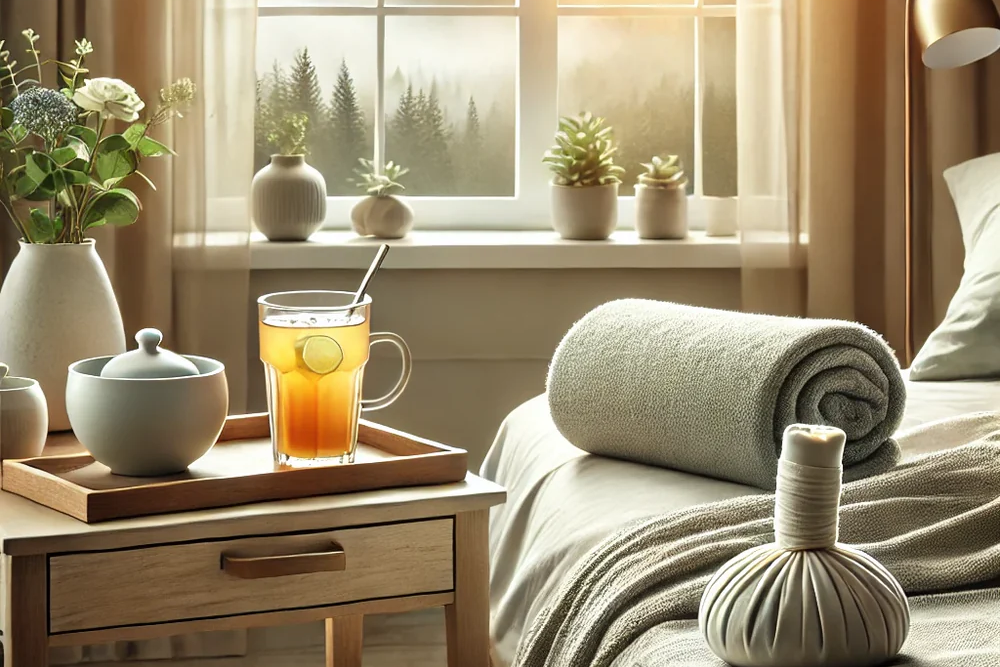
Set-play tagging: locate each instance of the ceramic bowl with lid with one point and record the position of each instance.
(147, 412)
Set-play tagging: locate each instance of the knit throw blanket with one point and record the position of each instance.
(711, 391)
(934, 522)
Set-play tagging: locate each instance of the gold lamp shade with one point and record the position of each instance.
(954, 33)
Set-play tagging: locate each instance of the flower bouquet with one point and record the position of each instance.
(55, 145)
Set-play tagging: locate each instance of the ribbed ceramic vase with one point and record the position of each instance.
(57, 307)
(288, 199)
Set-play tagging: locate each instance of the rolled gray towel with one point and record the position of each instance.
(711, 391)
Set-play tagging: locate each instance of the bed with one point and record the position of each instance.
(562, 501)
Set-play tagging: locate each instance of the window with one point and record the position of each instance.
(466, 94)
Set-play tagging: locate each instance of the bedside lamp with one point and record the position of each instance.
(950, 33)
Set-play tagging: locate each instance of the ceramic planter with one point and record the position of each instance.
(661, 213)
(57, 306)
(24, 417)
(383, 217)
(585, 213)
(288, 199)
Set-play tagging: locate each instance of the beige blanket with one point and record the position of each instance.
(933, 521)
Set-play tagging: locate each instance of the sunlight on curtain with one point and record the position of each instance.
(768, 106)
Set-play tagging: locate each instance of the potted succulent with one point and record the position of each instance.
(62, 173)
(661, 200)
(381, 213)
(288, 196)
(585, 178)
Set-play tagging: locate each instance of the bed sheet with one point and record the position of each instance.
(561, 501)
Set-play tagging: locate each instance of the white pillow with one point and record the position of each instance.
(966, 345)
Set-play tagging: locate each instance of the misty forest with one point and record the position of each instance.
(458, 137)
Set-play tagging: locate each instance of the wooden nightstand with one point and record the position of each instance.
(337, 557)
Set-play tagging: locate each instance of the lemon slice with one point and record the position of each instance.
(320, 354)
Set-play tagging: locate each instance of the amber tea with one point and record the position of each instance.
(314, 359)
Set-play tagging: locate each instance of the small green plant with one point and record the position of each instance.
(287, 133)
(379, 185)
(663, 173)
(583, 155)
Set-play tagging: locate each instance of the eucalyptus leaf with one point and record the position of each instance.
(75, 177)
(113, 143)
(12, 136)
(117, 165)
(24, 186)
(87, 135)
(116, 207)
(6, 118)
(37, 166)
(152, 148)
(63, 156)
(42, 229)
(79, 146)
(134, 134)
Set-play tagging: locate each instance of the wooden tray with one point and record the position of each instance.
(240, 469)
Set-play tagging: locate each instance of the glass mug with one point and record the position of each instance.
(314, 346)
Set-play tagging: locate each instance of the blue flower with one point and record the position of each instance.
(44, 112)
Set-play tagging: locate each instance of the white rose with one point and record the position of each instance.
(109, 97)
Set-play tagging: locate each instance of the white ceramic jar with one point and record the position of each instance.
(24, 417)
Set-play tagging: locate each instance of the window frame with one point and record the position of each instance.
(536, 90)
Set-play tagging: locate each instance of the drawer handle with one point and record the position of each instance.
(263, 567)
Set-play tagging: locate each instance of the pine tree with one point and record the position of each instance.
(470, 155)
(434, 137)
(304, 94)
(346, 139)
(403, 138)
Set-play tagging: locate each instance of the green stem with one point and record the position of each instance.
(17, 222)
(88, 190)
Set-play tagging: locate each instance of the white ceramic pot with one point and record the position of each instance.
(661, 213)
(585, 213)
(147, 427)
(56, 307)
(383, 217)
(288, 199)
(24, 417)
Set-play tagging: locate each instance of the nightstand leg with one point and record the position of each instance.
(345, 636)
(468, 619)
(26, 642)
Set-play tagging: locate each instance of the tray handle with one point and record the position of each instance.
(264, 567)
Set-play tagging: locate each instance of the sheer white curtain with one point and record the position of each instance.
(184, 266)
(817, 124)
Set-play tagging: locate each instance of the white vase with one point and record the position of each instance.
(24, 420)
(57, 306)
(386, 217)
(661, 213)
(585, 213)
(288, 199)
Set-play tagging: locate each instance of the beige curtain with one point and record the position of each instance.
(820, 207)
(184, 266)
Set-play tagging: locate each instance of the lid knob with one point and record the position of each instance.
(149, 360)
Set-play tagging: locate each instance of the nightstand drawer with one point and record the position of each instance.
(230, 577)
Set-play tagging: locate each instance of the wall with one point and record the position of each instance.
(481, 339)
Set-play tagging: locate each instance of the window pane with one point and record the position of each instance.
(307, 4)
(618, 3)
(323, 66)
(450, 103)
(450, 3)
(719, 126)
(639, 74)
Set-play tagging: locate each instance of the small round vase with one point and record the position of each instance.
(585, 213)
(288, 199)
(661, 213)
(24, 417)
(386, 217)
(57, 306)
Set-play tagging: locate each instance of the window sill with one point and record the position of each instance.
(330, 249)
